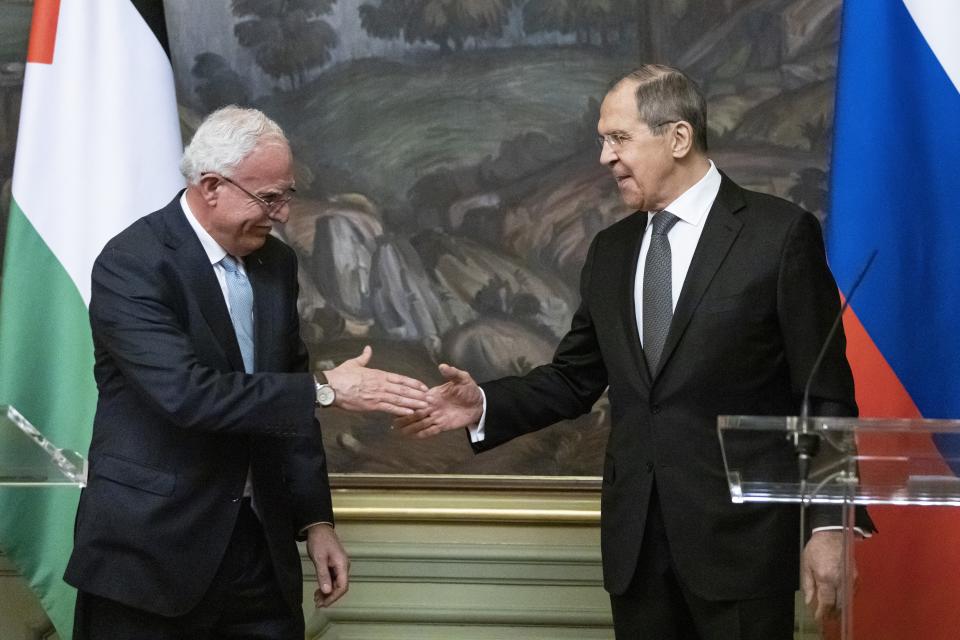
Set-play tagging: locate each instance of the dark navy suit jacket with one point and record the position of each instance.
(178, 422)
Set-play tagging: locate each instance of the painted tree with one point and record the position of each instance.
(667, 28)
(594, 22)
(446, 23)
(288, 37)
(217, 84)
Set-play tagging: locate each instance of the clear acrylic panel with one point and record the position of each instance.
(877, 461)
(28, 458)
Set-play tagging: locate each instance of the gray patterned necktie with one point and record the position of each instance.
(240, 295)
(657, 289)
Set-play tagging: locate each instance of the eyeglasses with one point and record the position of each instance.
(271, 204)
(616, 140)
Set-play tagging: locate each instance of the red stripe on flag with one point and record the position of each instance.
(43, 31)
(910, 571)
(879, 392)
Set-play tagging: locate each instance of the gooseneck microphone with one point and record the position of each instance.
(806, 442)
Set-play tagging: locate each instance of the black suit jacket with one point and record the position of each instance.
(178, 422)
(754, 310)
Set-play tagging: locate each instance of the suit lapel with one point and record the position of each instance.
(264, 307)
(201, 282)
(719, 233)
(631, 240)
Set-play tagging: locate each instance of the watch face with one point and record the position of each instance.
(325, 395)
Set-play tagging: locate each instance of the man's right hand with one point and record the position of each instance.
(456, 404)
(361, 388)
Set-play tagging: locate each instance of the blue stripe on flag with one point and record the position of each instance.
(896, 187)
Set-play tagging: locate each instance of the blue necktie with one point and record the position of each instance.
(240, 296)
(657, 289)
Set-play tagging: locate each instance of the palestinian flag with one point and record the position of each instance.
(98, 146)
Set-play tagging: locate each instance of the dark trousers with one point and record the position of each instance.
(657, 606)
(243, 602)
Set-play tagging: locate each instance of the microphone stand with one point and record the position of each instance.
(806, 441)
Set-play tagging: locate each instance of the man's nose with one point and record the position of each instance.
(282, 214)
(607, 155)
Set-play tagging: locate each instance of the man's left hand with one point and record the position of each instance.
(822, 573)
(331, 563)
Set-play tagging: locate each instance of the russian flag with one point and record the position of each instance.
(896, 188)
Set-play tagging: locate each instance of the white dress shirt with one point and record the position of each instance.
(215, 253)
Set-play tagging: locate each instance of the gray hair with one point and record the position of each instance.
(665, 94)
(224, 139)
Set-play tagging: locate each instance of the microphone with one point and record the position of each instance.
(806, 443)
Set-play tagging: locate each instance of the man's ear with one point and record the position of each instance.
(209, 188)
(681, 139)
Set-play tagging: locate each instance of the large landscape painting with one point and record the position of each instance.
(447, 173)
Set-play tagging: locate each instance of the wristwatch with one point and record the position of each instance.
(325, 393)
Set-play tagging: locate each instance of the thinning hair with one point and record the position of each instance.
(224, 139)
(665, 95)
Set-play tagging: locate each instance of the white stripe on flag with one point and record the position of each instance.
(939, 22)
(99, 135)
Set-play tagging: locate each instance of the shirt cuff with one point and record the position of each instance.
(477, 433)
(303, 531)
(860, 532)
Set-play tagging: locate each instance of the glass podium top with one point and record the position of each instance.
(868, 461)
(28, 458)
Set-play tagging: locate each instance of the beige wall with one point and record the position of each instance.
(468, 565)
(21, 617)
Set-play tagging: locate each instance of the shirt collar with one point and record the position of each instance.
(693, 204)
(215, 253)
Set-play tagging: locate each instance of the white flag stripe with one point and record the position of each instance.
(939, 22)
(74, 177)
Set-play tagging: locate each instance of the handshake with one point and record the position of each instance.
(419, 411)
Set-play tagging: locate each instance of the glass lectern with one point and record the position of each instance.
(27, 458)
(846, 461)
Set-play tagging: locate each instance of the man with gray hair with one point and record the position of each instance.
(206, 463)
(710, 299)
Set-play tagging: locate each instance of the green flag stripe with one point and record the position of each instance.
(46, 372)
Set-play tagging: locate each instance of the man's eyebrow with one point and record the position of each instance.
(273, 191)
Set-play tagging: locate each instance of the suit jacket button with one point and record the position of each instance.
(655, 409)
(649, 467)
